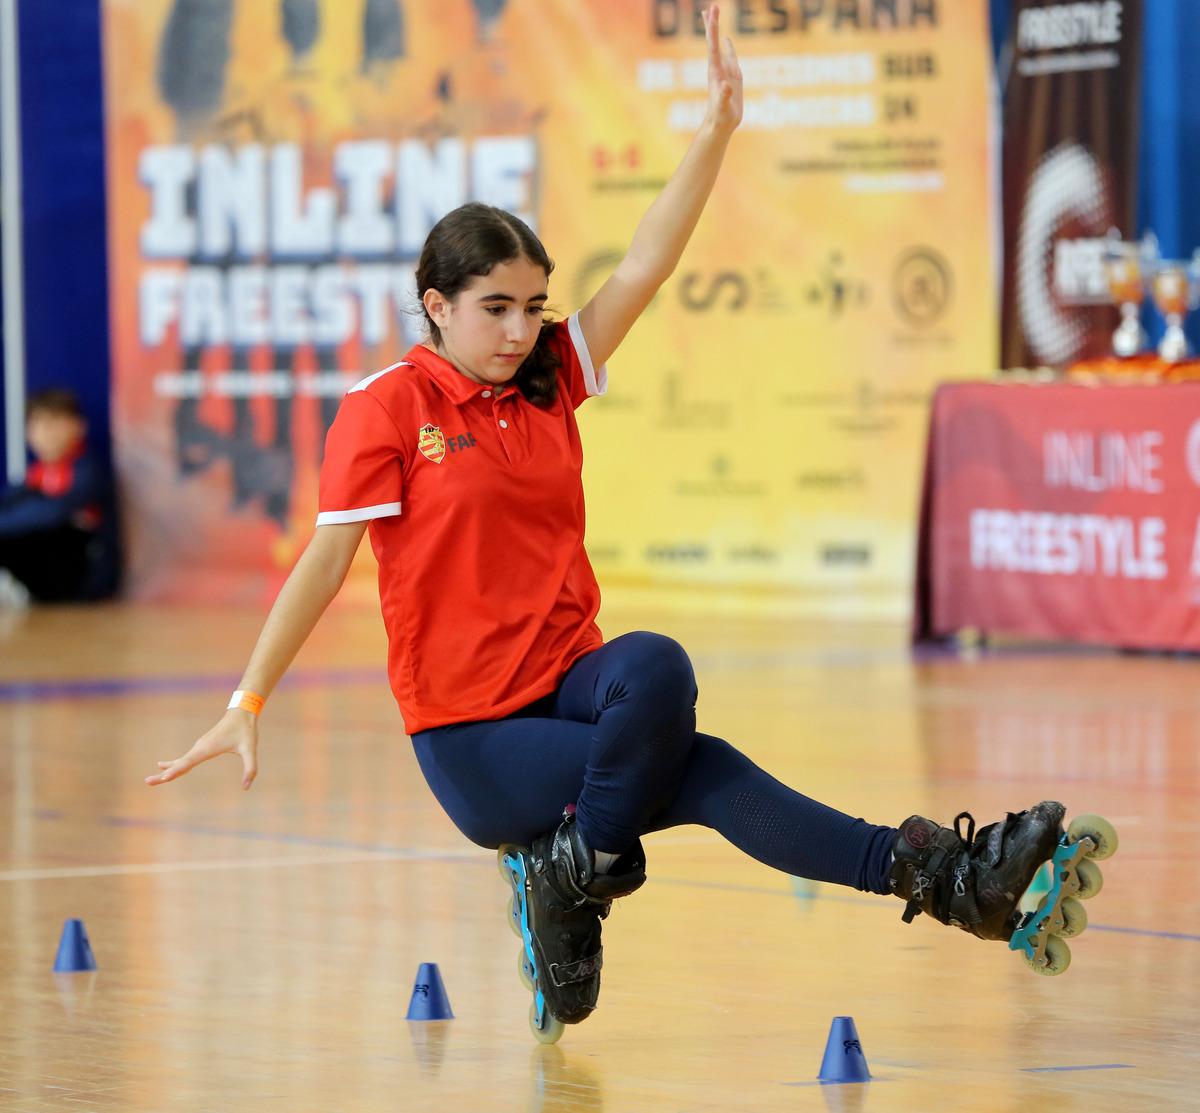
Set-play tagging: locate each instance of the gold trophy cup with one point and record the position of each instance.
(1175, 289)
(1124, 266)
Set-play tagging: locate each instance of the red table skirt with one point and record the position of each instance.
(1063, 511)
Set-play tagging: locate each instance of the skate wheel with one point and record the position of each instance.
(1090, 879)
(1057, 958)
(523, 970)
(500, 854)
(1099, 830)
(1074, 917)
(550, 1032)
(514, 921)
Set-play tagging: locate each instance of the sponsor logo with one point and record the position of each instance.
(918, 835)
(859, 409)
(621, 168)
(731, 291)
(834, 291)
(755, 554)
(431, 443)
(1067, 26)
(1079, 274)
(720, 482)
(1066, 190)
(568, 973)
(1069, 38)
(850, 478)
(728, 289)
(677, 554)
(846, 554)
(922, 286)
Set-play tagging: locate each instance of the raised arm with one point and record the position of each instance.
(310, 588)
(668, 224)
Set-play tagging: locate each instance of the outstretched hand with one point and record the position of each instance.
(236, 733)
(724, 74)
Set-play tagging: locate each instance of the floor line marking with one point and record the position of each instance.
(68, 872)
(15, 691)
(822, 895)
(181, 827)
(1057, 1070)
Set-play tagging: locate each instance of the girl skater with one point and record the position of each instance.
(463, 461)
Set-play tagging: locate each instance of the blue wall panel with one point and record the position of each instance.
(66, 272)
(1169, 169)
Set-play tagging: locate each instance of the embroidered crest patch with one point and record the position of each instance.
(431, 443)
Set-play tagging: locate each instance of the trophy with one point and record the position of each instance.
(1124, 266)
(1175, 289)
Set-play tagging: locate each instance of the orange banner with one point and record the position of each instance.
(274, 168)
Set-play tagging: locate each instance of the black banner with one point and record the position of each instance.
(1069, 174)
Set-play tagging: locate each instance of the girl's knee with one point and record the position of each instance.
(658, 660)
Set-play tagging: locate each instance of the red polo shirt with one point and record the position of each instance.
(475, 501)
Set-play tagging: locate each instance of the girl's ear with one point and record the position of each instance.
(437, 307)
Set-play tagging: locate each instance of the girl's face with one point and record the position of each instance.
(489, 328)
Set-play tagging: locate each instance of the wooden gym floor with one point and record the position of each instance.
(257, 950)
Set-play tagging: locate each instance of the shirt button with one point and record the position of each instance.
(504, 425)
(487, 394)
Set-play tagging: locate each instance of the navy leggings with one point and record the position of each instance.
(618, 739)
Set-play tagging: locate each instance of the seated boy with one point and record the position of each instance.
(57, 530)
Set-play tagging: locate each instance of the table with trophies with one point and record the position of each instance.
(1065, 504)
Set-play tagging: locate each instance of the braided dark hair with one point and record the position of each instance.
(466, 244)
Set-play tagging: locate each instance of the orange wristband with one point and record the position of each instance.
(246, 701)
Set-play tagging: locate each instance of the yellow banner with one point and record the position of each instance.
(274, 168)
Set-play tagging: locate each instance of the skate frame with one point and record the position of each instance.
(1047, 919)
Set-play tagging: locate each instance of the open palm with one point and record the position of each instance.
(724, 74)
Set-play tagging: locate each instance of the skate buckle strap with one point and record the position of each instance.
(922, 885)
(960, 879)
(568, 973)
(570, 882)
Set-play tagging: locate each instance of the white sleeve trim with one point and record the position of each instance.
(596, 381)
(362, 384)
(362, 514)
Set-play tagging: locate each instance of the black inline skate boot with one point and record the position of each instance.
(977, 883)
(557, 904)
(974, 883)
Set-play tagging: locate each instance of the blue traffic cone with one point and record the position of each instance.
(429, 1000)
(844, 1060)
(74, 950)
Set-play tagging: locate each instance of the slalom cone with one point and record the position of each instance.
(429, 1000)
(844, 1060)
(74, 950)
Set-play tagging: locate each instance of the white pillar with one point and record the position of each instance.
(13, 258)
